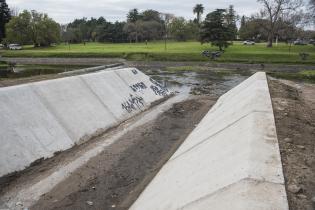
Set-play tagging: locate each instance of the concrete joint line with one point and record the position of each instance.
(216, 133)
(51, 110)
(247, 179)
(98, 98)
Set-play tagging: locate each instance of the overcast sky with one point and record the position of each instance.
(64, 11)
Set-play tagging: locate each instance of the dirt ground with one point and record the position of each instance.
(294, 108)
(115, 178)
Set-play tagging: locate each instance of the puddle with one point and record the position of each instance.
(11, 70)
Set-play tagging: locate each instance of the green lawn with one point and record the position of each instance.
(176, 51)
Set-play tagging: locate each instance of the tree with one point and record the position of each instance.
(178, 29)
(14, 11)
(182, 30)
(5, 16)
(111, 32)
(133, 16)
(150, 15)
(273, 10)
(134, 30)
(253, 29)
(312, 10)
(198, 9)
(312, 4)
(48, 32)
(242, 27)
(95, 29)
(216, 30)
(147, 25)
(167, 18)
(231, 22)
(33, 27)
(18, 29)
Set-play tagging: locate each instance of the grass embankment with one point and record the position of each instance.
(307, 76)
(303, 76)
(176, 51)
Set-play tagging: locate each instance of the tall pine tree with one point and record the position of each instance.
(231, 22)
(216, 30)
(242, 30)
(5, 16)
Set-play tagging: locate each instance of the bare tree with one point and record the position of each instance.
(14, 11)
(167, 19)
(312, 10)
(274, 10)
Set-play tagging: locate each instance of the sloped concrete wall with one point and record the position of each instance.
(230, 161)
(39, 119)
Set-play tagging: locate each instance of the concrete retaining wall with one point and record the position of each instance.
(39, 119)
(230, 161)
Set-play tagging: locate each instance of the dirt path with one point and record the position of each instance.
(115, 178)
(294, 108)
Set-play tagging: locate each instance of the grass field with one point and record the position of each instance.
(176, 51)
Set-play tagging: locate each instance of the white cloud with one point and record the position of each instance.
(65, 11)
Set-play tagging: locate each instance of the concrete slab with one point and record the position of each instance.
(29, 131)
(230, 161)
(75, 106)
(39, 119)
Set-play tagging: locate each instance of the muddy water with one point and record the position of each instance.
(196, 81)
(12, 70)
(205, 82)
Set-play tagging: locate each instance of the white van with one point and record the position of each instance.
(15, 47)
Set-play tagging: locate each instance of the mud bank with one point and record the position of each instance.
(294, 108)
(116, 177)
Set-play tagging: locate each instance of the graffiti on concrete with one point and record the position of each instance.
(134, 71)
(138, 87)
(158, 88)
(133, 103)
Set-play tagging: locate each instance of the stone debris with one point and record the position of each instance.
(288, 140)
(18, 204)
(300, 147)
(293, 188)
(90, 203)
(301, 196)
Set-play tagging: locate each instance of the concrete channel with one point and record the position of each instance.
(230, 161)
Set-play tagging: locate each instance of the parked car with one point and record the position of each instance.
(299, 42)
(312, 41)
(1, 46)
(248, 42)
(15, 47)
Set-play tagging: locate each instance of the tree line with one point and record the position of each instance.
(148, 25)
(279, 19)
